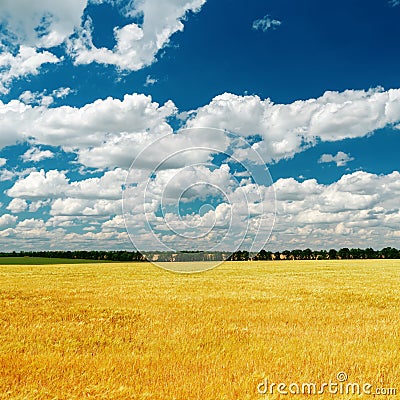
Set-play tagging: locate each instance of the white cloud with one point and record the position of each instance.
(150, 81)
(341, 159)
(122, 126)
(6, 175)
(41, 23)
(17, 205)
(39, 185)
(28, 97)
(110, 133)
(28, 29)
(31, 224)
(34, 154)
(27, 62)
(55, 184)
(35, 236)
(3, 162)
(291, 190)
(32, 229)
(89, 197)
(32, 27)
(37, 205)
(43, 98)
(185, 184)
(109, 186)
(62, 221)
(236, 213)
(357, 210)
(7, 220)
(89, 228)
(86, 207)
(114, 223)
(62, 92)
(287, 129)
(136, 45)
(266, 23)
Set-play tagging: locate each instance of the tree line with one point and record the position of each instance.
(95, 255)
(240, 255)
(332, 254)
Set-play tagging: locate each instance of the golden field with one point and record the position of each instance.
(133, 331)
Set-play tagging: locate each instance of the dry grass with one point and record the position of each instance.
(132, 331)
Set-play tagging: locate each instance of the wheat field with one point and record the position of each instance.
(133, 331)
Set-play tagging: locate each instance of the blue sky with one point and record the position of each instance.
(283, 116)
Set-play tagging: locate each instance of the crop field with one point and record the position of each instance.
(133, 331)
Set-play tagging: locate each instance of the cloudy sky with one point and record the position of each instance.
(202, 124)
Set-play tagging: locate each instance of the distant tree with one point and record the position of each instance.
(321, 255)
(370, 253)
(264, 255)
(287, 254)
(261, 255)
(333, 254)
(344, 253)
(308, 254)
(297, 254)
(356, 253)
(390, 252)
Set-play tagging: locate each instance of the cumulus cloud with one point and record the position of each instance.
(39, 185)
(162, 209)
(266, 23)
(31, 28)
(35, 98)
(87, 207)
(37, 205)
(291, 190)
(7, 220)
(44, 98)
(41, 23)
(287, 129)
(26, 62)
(136, 44)
(88, 197)
(360, 209)
(38, 235)
(340, 159)
(110, 133)
(17, 205)
(34, 154)
(121, 126)
(3, 161)
(6, 175)
(71, 204)
(55, 184)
